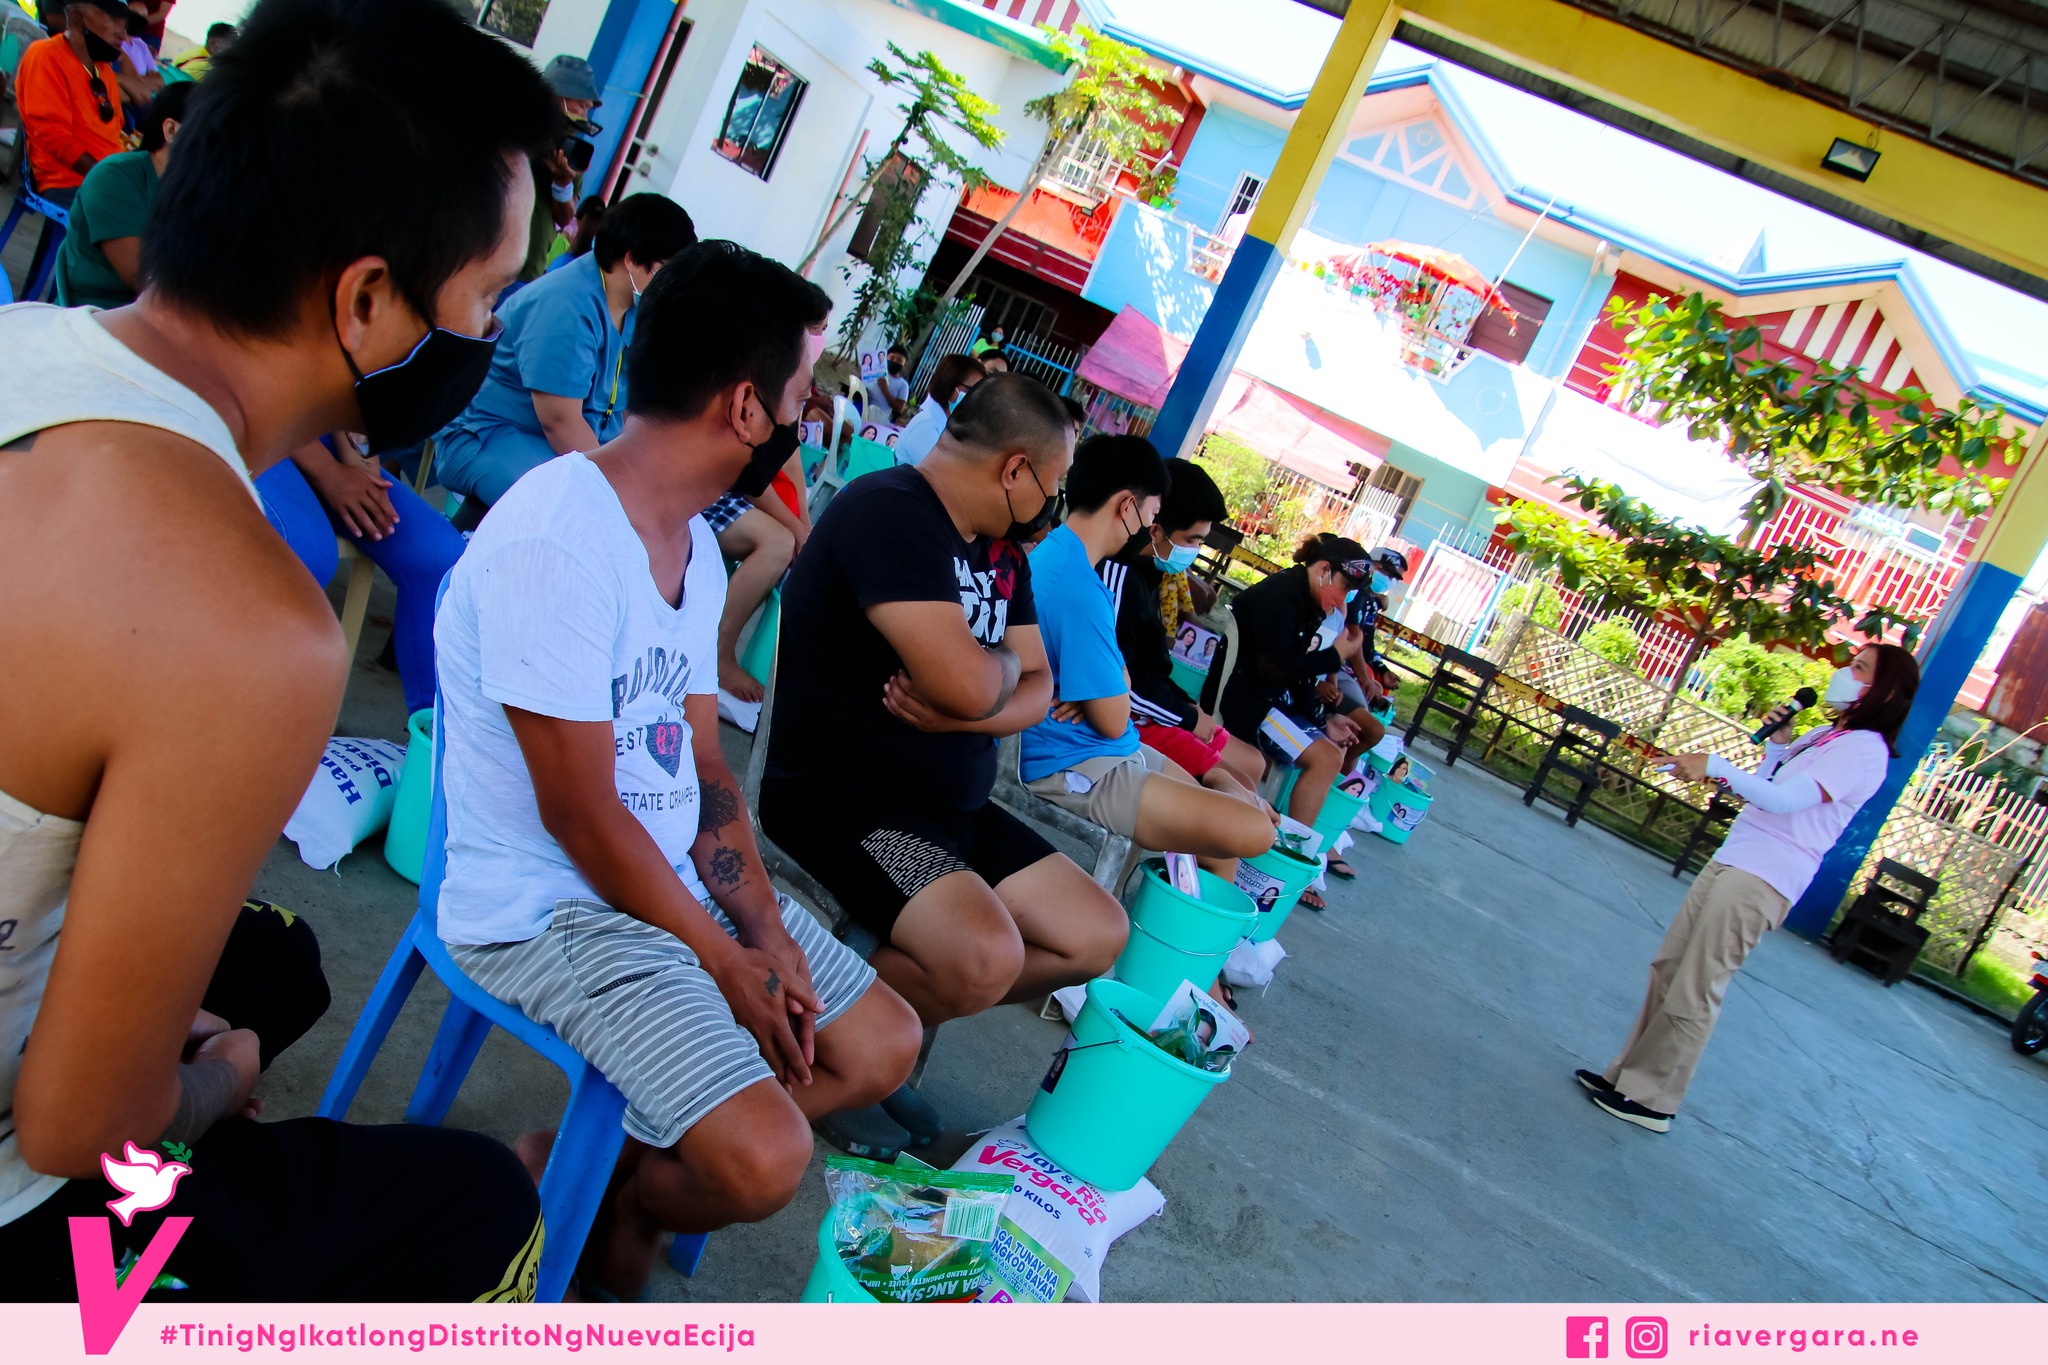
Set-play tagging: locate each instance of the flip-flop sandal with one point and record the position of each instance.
(1314, 901)
(1227, 996)
(1337, 867)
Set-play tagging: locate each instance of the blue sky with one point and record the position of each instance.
(1278, 45)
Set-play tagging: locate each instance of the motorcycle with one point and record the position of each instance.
(2030, 1029)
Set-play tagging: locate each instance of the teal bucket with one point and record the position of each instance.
(405, 838)
(830, 1282)
(1339, 809)
(758, 658)
(1399, 809)
(1176, 937)
(1113, 1102)
(1290, 870)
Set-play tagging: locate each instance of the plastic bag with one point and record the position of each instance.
(1252, 964)
(349, 799)
(1072, 1222)
(909, 1236)
(1195, 1029)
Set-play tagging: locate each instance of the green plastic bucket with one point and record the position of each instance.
(1399, 809)
(758, 658)
(1339, 809)
(830, 1282)
(1112, 1102)
(405, 838)
(1284, 870)
(861, 456)
(1176, 937)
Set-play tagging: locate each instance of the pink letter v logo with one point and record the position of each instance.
(103, 1306)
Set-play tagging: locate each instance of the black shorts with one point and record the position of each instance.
(312, 1211)
(874, 854)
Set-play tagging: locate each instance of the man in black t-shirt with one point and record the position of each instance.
(909, 645)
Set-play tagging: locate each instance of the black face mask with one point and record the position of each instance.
(99, 49)
(767, 461)
(404, 404)
(1055, 503)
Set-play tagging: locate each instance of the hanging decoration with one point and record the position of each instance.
(1435, 296)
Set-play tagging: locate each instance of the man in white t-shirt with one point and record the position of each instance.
(889, 393)
(602, 872)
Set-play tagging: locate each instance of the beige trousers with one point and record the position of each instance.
(1726, 915)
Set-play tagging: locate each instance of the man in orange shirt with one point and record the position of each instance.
(70, 99)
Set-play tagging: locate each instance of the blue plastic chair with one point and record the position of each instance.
(588, 1140)
(26, 202)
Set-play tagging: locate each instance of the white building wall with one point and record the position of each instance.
(829, 43)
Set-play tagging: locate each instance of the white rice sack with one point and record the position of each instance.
(350, 799)
(1072, 1220)
(1252, 964)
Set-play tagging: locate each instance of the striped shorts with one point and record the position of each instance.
(633, 1001)
(723, 513)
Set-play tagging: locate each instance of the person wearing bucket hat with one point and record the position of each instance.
(557, 178)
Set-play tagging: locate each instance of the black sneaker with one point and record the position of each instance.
(1628, 1111)
(916, 1114)
(868, 1132)
(1593, 1081)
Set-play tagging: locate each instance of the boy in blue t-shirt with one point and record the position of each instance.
(1085, 755)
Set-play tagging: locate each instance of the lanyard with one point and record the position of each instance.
(1806, 744)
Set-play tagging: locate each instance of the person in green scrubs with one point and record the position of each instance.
(100, 262)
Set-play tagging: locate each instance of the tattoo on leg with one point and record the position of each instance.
(720, 807)
(774, 984)
(728, 868)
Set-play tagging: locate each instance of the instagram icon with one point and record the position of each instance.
(1586, 1339)
(1646, 1338)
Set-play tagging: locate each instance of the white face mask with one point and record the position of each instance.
(1844, 689)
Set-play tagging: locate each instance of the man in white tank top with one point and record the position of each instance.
(324, 255)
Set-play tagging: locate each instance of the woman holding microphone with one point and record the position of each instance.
(1798, 801)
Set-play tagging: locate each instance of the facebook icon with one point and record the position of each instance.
(1585, 1338)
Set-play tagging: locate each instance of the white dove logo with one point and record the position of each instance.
(148, 1182)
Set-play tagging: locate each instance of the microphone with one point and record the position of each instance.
(1801, 699)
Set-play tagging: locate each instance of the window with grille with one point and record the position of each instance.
(757, 118)
(1244, 197)
(1399, 484)
(517, 20)
(876, 235)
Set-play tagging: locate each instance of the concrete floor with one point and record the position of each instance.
(1405, 1126)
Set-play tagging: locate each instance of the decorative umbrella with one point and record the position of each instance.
(1435, 295)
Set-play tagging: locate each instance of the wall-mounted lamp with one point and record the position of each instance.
(1852, 159)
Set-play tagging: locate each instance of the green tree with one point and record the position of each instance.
(1615, 641)
(938, 99)
(1744, 680)
(1242, 475)
(1786, 425)
(1108, 101)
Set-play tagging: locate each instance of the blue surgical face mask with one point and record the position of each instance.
(1380, 582)
(1351, 596)
(1180, 560)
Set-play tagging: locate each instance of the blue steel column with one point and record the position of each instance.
(1323, 123)
(622, 55)
(2004, 554)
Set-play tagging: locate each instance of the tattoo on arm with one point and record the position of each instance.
(728, 867)
(206, 1092)
(774, 984)
(720, 807)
